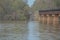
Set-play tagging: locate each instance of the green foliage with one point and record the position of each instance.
(57, 2)
(9, 9)
(46, 4)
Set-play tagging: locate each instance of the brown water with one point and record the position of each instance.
(32, 30)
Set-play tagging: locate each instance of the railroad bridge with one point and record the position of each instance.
(48, 16)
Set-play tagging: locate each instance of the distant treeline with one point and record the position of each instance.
(46, 4)
(14, 10)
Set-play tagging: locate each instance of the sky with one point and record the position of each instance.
(30, 2)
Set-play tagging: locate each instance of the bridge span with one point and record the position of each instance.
(48, 16)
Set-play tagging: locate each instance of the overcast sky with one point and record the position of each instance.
(30, 2)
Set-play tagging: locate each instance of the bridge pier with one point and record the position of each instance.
(55, 19)
(43, 19)
(40, 19)
(59, 17)
(49, 19)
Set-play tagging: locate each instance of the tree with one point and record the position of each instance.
(9, 7)
(46, 4)
(57, 3)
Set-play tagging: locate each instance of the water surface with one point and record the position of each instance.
(32, 30)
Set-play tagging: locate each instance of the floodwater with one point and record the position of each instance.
(32, 30)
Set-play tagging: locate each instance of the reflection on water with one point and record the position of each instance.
(32, 30)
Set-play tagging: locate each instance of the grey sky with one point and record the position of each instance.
(30, 2)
